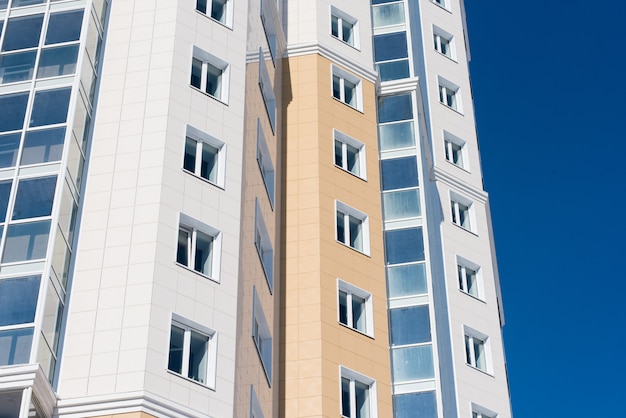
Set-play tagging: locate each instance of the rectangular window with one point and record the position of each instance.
(388, 14)
(349, 154)
(449, 95)
(468, 275)
(198, 247)
(218, 10)
(480, 412)
(344, 27)
(352, 227)
(477, 350)
(265, 163)
(270, 28)
(264, 246)
(358, 395)
(391, 54)
(192, 351)
(262, 336)
(455, 150)
(355, 308)
(405, 405)
(444, 43)
(462, 214)
(209, 74)
(267, 91)
(395, 122)
(255, 405)
(204, 156)
(346, 88)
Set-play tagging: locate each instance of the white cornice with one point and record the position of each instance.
(399, 86)
(29, 375)
(361, 71)
(437, 174)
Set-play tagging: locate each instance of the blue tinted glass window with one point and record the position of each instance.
(17, 67)
(382, 1)
(18, 300)
(27, 241)
(412, 363)
(22, 32)
(13, 109)
(22, 3)
(3, 5)
(57, 61)
(394, 108)
(405, 281)
(8, 149)
(410, 325)
(390, 46)
(404, 245)
(393, 70)
(34, 197)
(399, 173)
(5, 192)
(415, 405)
(43, 146)
(15, 346)
(50, 107)
(64, 27)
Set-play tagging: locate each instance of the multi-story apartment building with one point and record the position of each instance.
(243, 208)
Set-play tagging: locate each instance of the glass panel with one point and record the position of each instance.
(61, 257)
(198, 357)
(13, 110)
(46, 361)
(346, 32)
(479, 353)
(21, 3)
(189, 161)
(410, 325)
(388, 15)
(75, 162)
(390, 46)
(341, 229)
(334, 26)
(9, 145)
(196, 73)
(5, 192)
(11, 401)
(182, 253)
(67, 215)
(175, 361)
(401, 205)
(218, 10)
(17, 67)
(399, 173)
(336, 87)
(208, 168)
(395, 108)
(64, 27)
(15, 346)
(18, 300)
(412, 363)
(394, 70)
(356, 238)
(201, 6)
(343, 307)
(34, 197)
(352, 157)
(358, 313)
(50, 106)
(214, 81)
(43, 146)
(345, 397)
(338, 153)
(407, 280)
(52, 315)
(204, 244)
(404, 245)
(3, 5)
(57, 61)
(362, 400)
(397, 135)
(26, 242)
(22, 32)
(349, 93)
(404, 406)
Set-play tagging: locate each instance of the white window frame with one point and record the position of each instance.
(228, 18)
(191, 225)
(482, 412)
(202, 138)
(342, 17)
(344, 76)
(460, 205)
(267, 92)
(264, 246)
(262, 336)
(348, 212)
(209, 60)
(450, 95)
(360, 147)
(450, 142)
(441, 37)
(354, 376)
(188, 326)
(470, 337)
(350, 291)
(255, 405)
(264, 159)
(463, 268)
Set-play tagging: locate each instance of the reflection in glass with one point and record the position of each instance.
(57, 61)
(395, 108)
(50, 106)
(5, 192)
(198, 357)
(397, 135)
(399, 173)
(410, 325)
(390, 46)
(405, 405)
(22, 32)
(34, 197)
(9, 145)
(388, 15)
(64, 27)
(15, 346)
(17, 67)
(393, 70)
(412, 363)
(13, 110)
(22, 3)
(175, 362)
(43, 146)
(27, 241)
(18, 300)
(404, 245)
(407, 280)
(402, 204)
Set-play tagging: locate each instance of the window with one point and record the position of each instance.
(405, 405)
(441, 3)
(387, 14)
(449, 95)
(216, 9)
(204, 156)
(455, 150)
(468, 274)
(443, 42)
(13, 120)
(22, 32)
(349, 154)
(344, 27)
(264, 246)
(477, 350)
(210, 74)
(352, 227)
(355, 308)
(400, 188)
(50, 107)
(265, 163)
(391, 54)
(64, 27)
(270, 28)
(26, 241)
(193, 351)
(461, 211)
(404, 245)
(346, 88)
(395, 122)
(198, 247)
(267, 91)
(480, 412)
(262, 336)
(358, 395)
(255, 405)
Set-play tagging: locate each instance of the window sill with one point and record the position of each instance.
(442, 104)
(459, 167)
(472, 296)
(203, 179)
(191, 380)
(208, 95)
(479, 370)
(214, 20)
(465, 229)
(198, 273)
(351, 173)
(444, 55)
(356, 330)
(352, 248)
(355, 47)
(343, 103)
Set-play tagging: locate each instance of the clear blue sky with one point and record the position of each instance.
(549, 82)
